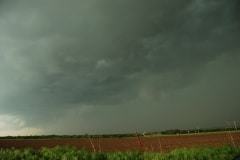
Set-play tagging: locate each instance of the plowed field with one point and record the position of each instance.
(156, 143)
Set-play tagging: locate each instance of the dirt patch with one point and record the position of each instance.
(156, 144)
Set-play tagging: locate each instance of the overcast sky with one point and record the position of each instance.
(104, 66)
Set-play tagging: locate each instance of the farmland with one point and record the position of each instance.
(148, 144)
(219, 146)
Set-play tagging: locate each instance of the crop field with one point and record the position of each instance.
(151, 144)
(219, 146)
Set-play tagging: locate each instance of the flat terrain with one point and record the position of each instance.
(155, 143)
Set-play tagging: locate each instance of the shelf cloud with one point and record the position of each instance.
(76, 67)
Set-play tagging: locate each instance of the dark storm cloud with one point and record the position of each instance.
(93, 57)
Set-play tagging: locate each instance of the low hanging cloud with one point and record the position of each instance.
(11, 125)
(72, 67)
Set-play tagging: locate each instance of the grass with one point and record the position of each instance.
(71, 153)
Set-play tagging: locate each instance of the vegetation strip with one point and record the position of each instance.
(65, 153)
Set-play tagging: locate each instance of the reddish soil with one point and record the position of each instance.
(157, 143)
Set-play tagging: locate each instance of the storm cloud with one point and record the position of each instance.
(75, 67)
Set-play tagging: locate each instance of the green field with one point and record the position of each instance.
(71, 153)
